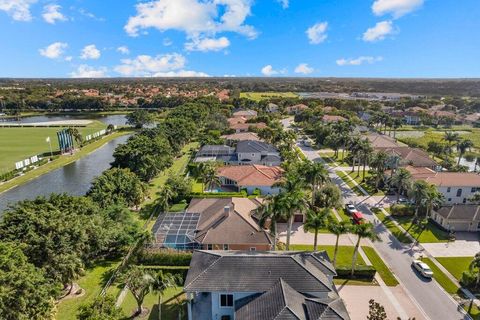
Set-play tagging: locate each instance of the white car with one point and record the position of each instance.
(423, 268)
(350, 208)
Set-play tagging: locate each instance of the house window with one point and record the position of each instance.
(225, 247)
(474, 189)
(449, 199)
(464, 200)
(449, 189)
(459, 192)
(226, 300)
(253, 249)
(209, 246)
(478, 225)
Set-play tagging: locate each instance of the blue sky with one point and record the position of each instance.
(317, 38)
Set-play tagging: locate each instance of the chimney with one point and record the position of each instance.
(226, 211)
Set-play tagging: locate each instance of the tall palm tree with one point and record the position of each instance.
(208, 175)
(354, 149)
(402, 180)
(316, 220)
(475, 264)
(166, 195)
(397, 123)
(462, 147)
(434, 199)
(366, 151)
(316, 175)
(338, 228)
(451, 138)
(161, 284)
(363, 231)
(269, 214)
(379, 164)
(419, 192)
(290, 203)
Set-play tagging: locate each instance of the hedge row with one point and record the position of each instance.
(402, 210)
(241, 194)
(180, 272)
(361, 272)
(164, 258)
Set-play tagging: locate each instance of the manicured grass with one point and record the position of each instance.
(431, 234)
(349, 182)
(92, 282)
(353, 282)
(366, 186)
(437, 135)
(20, 143)
(343, 214)
(392, 227)
(258, 96)
(330, 158)
(170, 306)
(344, 256)
(178, 207)
(380, 266)
(60, 162)
(441, 278)
(197, 187)
(455, 265)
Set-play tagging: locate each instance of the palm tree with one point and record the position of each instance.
(451, 138)
(140, 283)
(366, 151)
(363, 231)
(434, 199)
(269, 214)
(379, 164)
(161, 284)
(397, 123)
(290, 203)
(76, 135)
(475, 264)
(166, 195)
(328, 196)
(419, 192)
(315, 175)
(462, 147)
(354, 149)
(208, 175)
(338, 228)
(402, 180)
(316, 220)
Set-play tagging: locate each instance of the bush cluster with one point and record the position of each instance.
(164, 258)
(361, 272)
(402, 210)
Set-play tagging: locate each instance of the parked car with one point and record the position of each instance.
(422, 268)
(358, 218)
(403, 201)
(350, 208)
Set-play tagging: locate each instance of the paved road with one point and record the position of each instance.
(429, 296)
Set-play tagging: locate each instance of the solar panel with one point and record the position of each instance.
(176, 230)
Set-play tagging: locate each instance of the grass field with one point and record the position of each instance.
(349, 183)
(258, 96)
(441, 277)
(392, 227)
(344, 256)
(380, 266)
(455, 265)
(92, 282)
(17, 144)
(432, 234)
(438, 136)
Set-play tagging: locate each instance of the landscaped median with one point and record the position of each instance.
(349, 182)
(377, 262)
(391, 226)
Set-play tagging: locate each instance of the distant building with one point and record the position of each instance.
(231, 285)
(458, 217)
(232, 139)
(382, 141)
(247, 114)
(251, 177)
(296, 109)
(331, 119)
(272, 108)
(245, 127)
(414, 157)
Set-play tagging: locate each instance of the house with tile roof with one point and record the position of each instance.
(332, 118)
(251, 177)
(247, 114)
(233, 138)
(408, 156)
(262, 286)
(458, 217)
(381, 141)
(296, 109)
(245, 127)
(456, 187)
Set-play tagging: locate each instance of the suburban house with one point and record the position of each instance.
(233, 138)
(456, 187)
(213, 224)
(251, 177)
(245, 127)
(458, 217)
(381, 141)
(251, 285)
(412, 119)
(246, 152)
(272, 108)
(414, 157)
(332, 119)
(236, 120)
(247, 114)
(296, 109)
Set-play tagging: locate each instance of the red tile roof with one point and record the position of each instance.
(253, 175)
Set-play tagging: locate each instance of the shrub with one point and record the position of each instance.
(361, 272)
(164, 258)
(402, 210)
(180, 272)
(468, 279)
(257, 192)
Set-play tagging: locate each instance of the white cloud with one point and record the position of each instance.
(123, 50)
(168, 65)
(378, 32)
(358, 61)
(52, 14)
(90, 52)
(397, 8)
(68, 58)
(317, 33)
(18, 9)
(85, 71)
(303, 68)
(194, 17)
(284, 3)
(207, 44)
(54, 51)
(269, 71)
(167, 42)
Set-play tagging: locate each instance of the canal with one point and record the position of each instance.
(74, 178)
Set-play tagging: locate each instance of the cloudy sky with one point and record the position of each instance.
(318, 38)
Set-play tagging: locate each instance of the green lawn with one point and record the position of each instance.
(178, 207)
(455, 265)
(392, 227)
(17, 144)
(330, 158)
(170, 305)
(344, 257)
(349, 182)
(438, 135)
(92, 282)
(432, 234)
(367, 187)
(380, 266)
(441, 278)
(259, 96)
(343, 214)
(197, 187)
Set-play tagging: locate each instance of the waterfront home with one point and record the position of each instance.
(250, 177)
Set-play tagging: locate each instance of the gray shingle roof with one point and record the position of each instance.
(283, 302)
(227, 271)
(460, 212)
(250, 146)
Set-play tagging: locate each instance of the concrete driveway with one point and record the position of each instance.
(458, 248)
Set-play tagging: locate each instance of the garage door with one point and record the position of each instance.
(298, 218)
(460, 226)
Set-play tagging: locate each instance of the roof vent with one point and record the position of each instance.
(226, 210)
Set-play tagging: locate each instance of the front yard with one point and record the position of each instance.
(431, 234)
(391, 226)
(455, 265)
